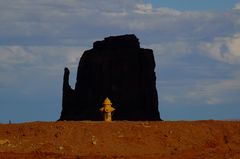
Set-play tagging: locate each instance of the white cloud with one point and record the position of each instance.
(147, 8)
(144, 8)
(210, 93)
(215, 92)
(237, 6)
(48, 57)
(52, 22)
(13, 55)
(39, 64)
(225, 49)
(167, 11)
(173, 48)
(170, 98)
(208, 85)
(213, 101)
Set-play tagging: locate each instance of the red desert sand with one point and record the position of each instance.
(121, 139)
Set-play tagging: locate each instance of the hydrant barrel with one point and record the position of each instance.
(107, 110)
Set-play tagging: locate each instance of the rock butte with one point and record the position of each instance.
(116, 68)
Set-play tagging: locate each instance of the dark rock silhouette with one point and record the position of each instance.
(116, 68)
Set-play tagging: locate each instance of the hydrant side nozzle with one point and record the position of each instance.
(101, 109)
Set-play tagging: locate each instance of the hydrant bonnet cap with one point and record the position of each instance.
(107, 101)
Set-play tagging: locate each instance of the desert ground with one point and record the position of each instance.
(121, 139)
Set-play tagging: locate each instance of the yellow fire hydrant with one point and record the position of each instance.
(107, 110)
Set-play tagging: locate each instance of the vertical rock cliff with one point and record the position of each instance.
(116, 68)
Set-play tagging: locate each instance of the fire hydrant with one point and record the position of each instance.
(107, 110)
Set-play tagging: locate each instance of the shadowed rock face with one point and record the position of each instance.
(116, 68)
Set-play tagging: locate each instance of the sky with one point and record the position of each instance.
(196, 46)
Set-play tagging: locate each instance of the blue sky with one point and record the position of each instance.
(196, 47)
